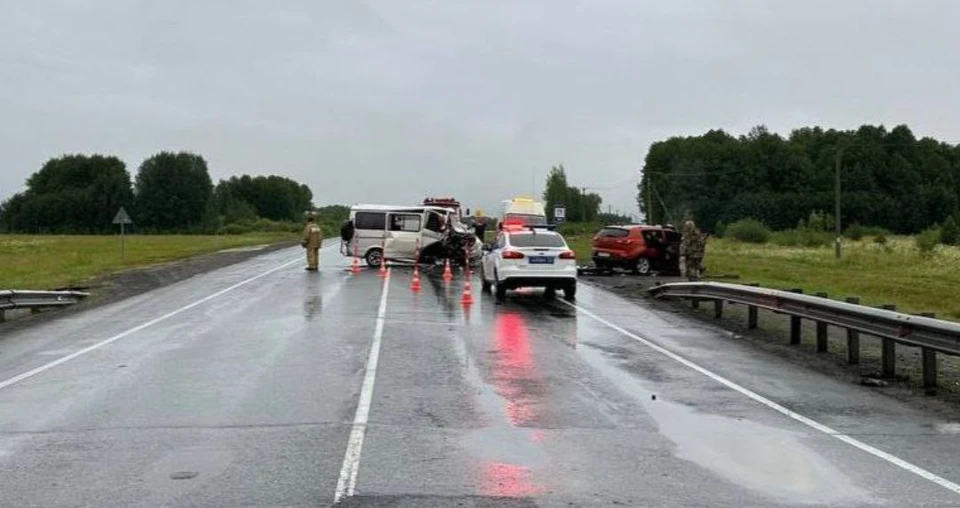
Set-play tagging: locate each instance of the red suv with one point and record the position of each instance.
(638, 248)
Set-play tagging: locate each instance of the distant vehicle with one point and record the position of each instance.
(378, 232)
(528, 256)
(638, 248)
(522, 211)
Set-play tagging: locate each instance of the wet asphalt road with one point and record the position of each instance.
(249, 386)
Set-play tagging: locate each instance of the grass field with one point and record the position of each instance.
(895, 273)
(46, 262)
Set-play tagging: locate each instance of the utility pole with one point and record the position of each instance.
(836, 209)
(583, 204)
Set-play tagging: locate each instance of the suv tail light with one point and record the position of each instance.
(568, 254)
(511, 254)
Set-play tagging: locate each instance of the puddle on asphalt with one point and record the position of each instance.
(947, 428)
(769, 460)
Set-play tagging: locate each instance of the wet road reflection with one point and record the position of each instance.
(313, 299)
(507, 480)
(514, 372)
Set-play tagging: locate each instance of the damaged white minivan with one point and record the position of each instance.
(383, 232)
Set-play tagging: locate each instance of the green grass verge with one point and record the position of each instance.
(895, 273)
(45, 262)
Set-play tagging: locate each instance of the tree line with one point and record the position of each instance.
(580, 206)
(889, 179)
(172, 193)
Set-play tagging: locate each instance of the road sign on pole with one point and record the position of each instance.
(559, 213)
(123, 218)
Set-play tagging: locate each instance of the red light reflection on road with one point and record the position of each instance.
(507, 480)
(514, 373)
(514, 345)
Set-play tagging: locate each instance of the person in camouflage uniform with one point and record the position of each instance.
(692, 246)
(312, 237)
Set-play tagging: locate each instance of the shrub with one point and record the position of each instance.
(875, 231)
(880, 239)
(927, 240)
(950, 232)
(720, 230)
(816, 221)
(855, 232)
(749, 231)
(801, 238)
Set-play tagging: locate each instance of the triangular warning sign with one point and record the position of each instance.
(122, 217)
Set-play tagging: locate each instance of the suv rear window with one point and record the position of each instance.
(536, 240)
(614, 232)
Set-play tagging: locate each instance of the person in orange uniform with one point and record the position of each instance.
(312, 236)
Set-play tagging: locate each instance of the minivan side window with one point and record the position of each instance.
(370, 220)
(408, 222)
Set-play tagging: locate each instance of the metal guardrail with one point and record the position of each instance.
(35, 300)
(929, 334)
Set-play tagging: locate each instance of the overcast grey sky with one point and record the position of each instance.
(393, 100)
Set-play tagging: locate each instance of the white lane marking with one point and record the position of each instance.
(98, 345)
(347, 484)
(917, 470)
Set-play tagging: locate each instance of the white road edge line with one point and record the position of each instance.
(45, 367)
(919, 471)
(347, 484)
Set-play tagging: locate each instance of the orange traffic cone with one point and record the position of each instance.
(467, 298)
(415, 283)
(383, 262)
(447, 274)
(355, 265)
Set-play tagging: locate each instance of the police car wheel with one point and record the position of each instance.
(500, 290)
(550, 293)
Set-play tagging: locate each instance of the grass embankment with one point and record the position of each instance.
(895, 273)
(46, 262)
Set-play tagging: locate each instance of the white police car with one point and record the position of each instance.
(525, 256)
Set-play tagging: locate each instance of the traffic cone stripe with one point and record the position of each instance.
(415, 283)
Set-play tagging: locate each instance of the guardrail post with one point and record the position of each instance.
(853, 338)
(888, 351)
(3, 316)
(695, 303)
(821, 331)
(795, 323)
(929, 364)
(752, 313)
(718, 308)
